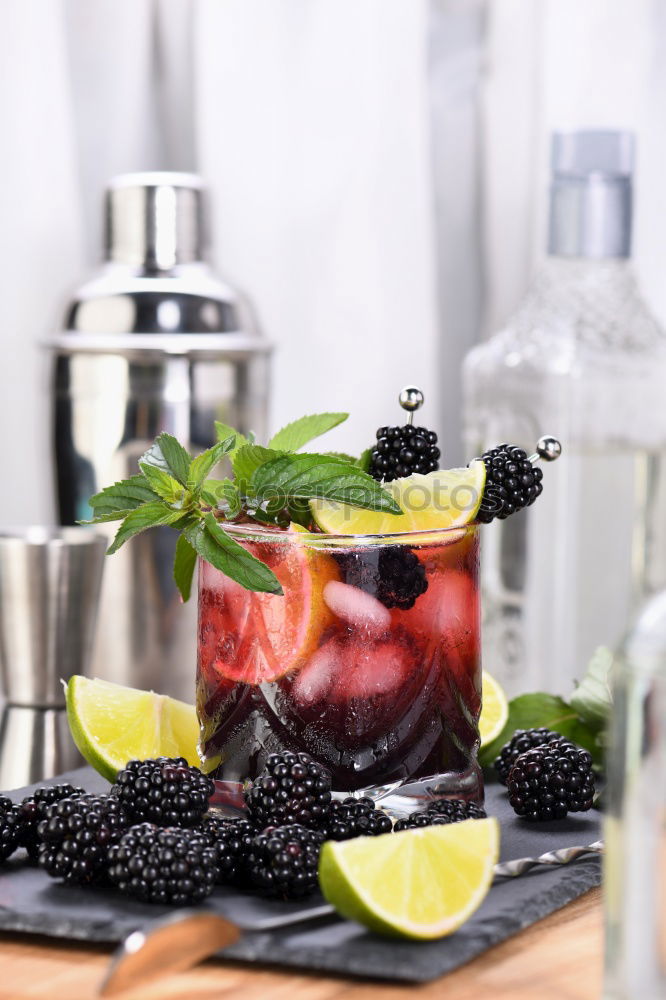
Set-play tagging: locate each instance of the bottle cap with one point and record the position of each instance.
(154, 221)
(591, 194)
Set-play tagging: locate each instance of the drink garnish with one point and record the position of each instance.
(271, 486)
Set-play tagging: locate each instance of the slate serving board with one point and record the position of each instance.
(30, 902)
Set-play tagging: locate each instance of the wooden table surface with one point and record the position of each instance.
(559, 958)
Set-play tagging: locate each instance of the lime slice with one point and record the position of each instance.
(448, 498)
(419, 884)
(111, 725)
(494, 710)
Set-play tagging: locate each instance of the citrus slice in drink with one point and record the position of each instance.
(111, 724)
(421, 883)
(252, 637)
(448, 498)
(494, 710)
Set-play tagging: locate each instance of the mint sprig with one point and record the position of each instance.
(270, 486)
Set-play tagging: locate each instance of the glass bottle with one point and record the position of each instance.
(635, 820)
(582, 359)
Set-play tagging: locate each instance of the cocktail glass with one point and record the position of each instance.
(385, 697)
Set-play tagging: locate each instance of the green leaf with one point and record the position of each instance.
(342, 455)
(224, 431)
(592, 698)
(147, 516)
(214, 545)
(122, 497)
(364, 461)
(183, 566)
(223, 493)
(295, 435)
(168, 454)
(530, 711)
(318, 476)
(203, 464)
(164, 485)
(247, 460)
(299, 512)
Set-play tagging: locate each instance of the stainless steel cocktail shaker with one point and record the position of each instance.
(154, 342)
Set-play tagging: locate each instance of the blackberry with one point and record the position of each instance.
(456, 810)
(396, 576)
(32, 811)
(165, 791)
(401, 577)
(521, 741)
(355, 818)
(10, 829)
(550, 781)
(75, 835)
(512, 482)
(292, 788)
(231, 839)
(167, 865)
(283, 861)
(441, 813)
(400, 451)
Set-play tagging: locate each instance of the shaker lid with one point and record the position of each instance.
(155, 220)
(156, 292)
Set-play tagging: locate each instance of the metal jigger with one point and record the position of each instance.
(49, 589)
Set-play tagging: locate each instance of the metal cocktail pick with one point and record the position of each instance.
(187, 937)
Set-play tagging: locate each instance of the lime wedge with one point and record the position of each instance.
(494, 710)
(448, 498)
(111, 725)
(419, 884)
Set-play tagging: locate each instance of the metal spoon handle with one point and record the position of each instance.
(510, 869)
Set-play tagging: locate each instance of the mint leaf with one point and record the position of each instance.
(364, 461)
(224, 431)
(120, 498)
(299, 432)
(530, 711)
(592, 698)
(168, 454)
(247, 460)
(223, 494)
(183, 566)
(203, 464)
(320, 477)
(342, 455)
(164, 485)
(147, 516)
(214, 545)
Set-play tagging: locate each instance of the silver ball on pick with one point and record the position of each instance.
(411, 399)
(548, 448)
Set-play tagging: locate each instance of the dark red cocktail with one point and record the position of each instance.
(379, 681)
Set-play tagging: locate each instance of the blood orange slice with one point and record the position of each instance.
(255, 638)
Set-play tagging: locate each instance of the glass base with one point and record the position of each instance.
(398, 799)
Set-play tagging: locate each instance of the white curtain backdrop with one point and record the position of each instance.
(378, 175)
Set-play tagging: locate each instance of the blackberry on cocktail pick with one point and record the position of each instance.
(441, 813)
(9, 828)
(231, 840)
(355, 818)
(512, 480)
(292, 788)
(283, 861)
(166, 865)
(521, 741)
(75, 835)
(402, 450)
(32, 810)
(165, 791)
(550, 781)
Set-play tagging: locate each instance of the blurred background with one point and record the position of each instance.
(378, 177)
